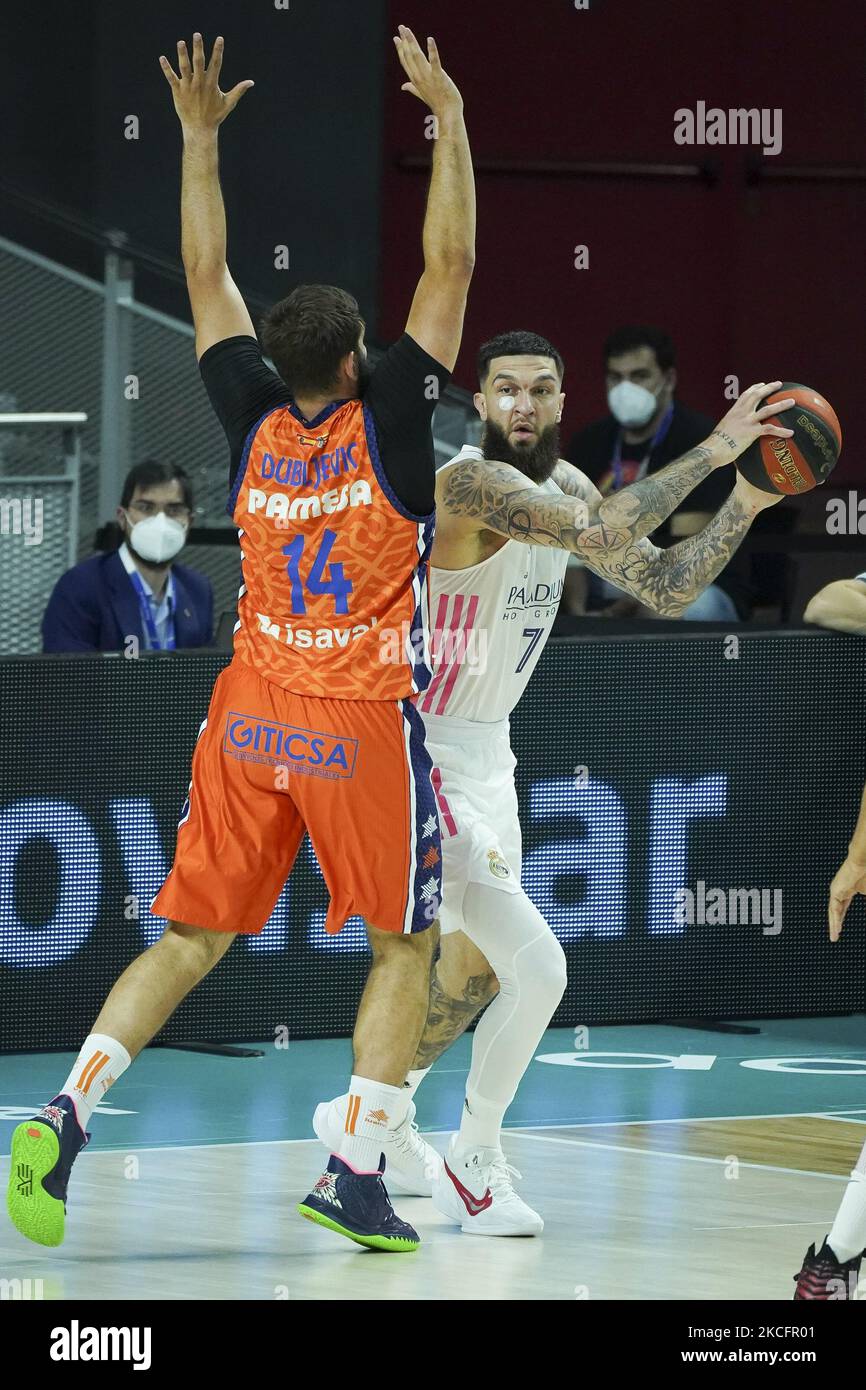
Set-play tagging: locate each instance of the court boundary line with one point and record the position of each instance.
(523, 1130)
(689, 1158)
(688, 1119)
(537, 1138)
(507, 1129)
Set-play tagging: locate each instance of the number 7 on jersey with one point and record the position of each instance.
(533, 633)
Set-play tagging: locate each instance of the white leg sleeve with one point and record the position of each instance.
(530, 965)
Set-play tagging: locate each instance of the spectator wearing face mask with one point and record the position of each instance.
(137, 590)
(646, 429)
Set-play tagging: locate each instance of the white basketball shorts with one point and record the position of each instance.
(473, 778)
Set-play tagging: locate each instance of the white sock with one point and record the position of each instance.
(372, 1110)
(98, 1065)
(413, 1081)
(480, 1125)
(848, 1236)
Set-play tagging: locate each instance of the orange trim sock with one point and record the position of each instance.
(98, 1065)
(372, 1111)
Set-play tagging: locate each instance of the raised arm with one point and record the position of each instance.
(436, 316)
(217, 307)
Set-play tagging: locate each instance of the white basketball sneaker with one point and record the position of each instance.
(476, 1190)
(411, 1164)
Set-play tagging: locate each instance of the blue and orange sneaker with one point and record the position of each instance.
(357, 1205)
(43, 1152)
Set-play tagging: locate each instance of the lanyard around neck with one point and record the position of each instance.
(148, 619)
(661, 432)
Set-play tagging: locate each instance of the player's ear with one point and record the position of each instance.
(671, 377)
(350, 365)
(561, 404)
(480, 402)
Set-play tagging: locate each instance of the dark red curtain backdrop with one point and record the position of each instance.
(758, 282)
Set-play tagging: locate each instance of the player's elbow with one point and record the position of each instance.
(204, 271)
(453, 267)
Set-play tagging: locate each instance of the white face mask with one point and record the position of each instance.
(630, 404)
(158, 538)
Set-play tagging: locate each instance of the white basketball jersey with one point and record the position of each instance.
(489, 624)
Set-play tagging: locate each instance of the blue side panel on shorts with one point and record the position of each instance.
(425, 886)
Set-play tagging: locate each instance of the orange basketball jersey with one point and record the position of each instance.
(334, 594)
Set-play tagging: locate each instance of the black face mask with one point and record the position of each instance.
(537, 462)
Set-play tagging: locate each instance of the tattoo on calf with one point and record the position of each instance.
(448, 1017)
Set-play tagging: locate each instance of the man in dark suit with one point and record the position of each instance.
(646, 429)
(136, 593)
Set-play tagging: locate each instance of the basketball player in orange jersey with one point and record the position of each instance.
(509, 515)
(332, 491)
(833, 1273)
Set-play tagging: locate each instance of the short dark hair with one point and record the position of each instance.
(151, 472)
(516, 344)
(637, 336)
(308, 334)
(109, 536)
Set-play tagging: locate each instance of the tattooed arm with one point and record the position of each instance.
(496, 497)
(503, 500)
(669, 580)
(500, 499)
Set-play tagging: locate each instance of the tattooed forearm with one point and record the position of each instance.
(669, 580)
(640, 508)
(447, 1017)
(692, 564)
(504, 501)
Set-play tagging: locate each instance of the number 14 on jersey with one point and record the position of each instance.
(318, 582)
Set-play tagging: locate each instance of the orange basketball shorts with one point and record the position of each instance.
(270, 764)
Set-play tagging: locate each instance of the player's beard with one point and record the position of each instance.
(537, 461)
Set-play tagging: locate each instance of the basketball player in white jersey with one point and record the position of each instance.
(508, 516)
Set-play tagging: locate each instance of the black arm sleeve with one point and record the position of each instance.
(242, 388)
(403, 392)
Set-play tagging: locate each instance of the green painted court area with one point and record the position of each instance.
(171, 1097)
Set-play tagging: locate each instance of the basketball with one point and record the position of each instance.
(806, 459)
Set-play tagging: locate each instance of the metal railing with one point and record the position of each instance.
(74, 342)
(38, 517)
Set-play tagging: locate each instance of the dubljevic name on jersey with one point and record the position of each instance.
(313, 472)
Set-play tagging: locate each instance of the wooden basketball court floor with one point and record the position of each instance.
(667, 1162)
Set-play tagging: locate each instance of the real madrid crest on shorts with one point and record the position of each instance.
(496, 864)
